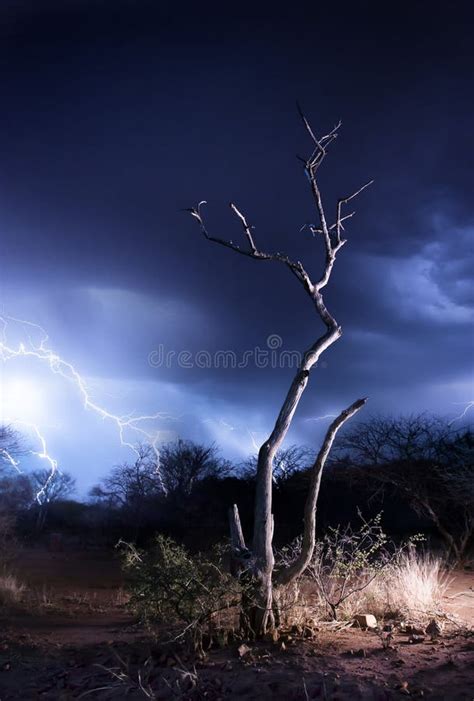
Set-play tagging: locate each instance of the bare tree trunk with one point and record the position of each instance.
(260, 563)
(309, 534)
(256, 609)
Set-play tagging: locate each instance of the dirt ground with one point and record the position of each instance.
(78, 641)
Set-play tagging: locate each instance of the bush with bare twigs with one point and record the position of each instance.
(347, 562)
(170, 585)
(360, 571)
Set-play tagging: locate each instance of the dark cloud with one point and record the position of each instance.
(118, 115)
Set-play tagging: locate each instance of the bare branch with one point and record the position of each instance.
(248, 233)
(342, 201)
(296, 267)
(322, 143)
(236, 534)
(309, 536)
(315, 230)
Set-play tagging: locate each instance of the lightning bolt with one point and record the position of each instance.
(41, 351)
(253, 435)
(467, 406)
(9, 458)
(238, 428)
(42, 454)
(221, 422)
(321, 418)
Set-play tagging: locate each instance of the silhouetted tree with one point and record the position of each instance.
(129, 484)
(424, 460)
(52, 487)
(158, 493)
(286, 462)
(184, 463)
(48, 488)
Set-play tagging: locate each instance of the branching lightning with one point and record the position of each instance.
(467, 407)
(40, 350)
(238, 428)
(42, 454)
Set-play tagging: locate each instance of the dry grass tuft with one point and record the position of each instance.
(418, 585)
(414, 587)
(11, 590)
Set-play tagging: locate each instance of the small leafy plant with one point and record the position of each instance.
(348, 562)
(172, 586)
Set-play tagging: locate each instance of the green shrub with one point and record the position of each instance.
(169, 585)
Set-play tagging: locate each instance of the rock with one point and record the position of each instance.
(366, 620)
(243, 650)
(414, 638)
(433, 629)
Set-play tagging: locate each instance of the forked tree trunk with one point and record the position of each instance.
(257, 573)
(256, 566)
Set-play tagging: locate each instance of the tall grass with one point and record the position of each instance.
(418, 584)
(412, 588)
(11, 590)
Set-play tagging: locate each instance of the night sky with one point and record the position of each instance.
(117, 115)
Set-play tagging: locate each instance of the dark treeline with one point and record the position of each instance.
(418, 470)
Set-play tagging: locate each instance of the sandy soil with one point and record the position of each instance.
(79, 635)
(460, 598)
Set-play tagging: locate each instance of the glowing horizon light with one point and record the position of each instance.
(21, 398)
(126, 424)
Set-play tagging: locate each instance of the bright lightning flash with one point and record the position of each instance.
(39, 349)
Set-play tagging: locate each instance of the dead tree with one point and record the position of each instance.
(258, 561)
